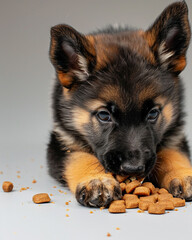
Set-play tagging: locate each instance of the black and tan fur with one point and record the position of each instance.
(117, 107)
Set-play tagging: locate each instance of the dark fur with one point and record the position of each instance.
(129, 141)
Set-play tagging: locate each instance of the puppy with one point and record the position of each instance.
(117, 108)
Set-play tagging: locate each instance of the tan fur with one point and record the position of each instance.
(65, 78)
(66, 93)
(161, 100)
(179, 64)
(80, 118)
(145, 51)
(167, 112)
(105, 48)
(95, 104)
(112, 93)
(68, 140)
(146, 93)
(135, 41)
(150, 38)
(167, 109)
(171, 164)
(83, 167)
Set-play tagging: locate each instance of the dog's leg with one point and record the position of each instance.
(173, 171)
(86, 178)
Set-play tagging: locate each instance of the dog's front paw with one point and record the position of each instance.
(181, 186)
(98, 192)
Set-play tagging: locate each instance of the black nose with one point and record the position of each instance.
(127, 168)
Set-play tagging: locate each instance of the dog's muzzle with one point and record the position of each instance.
(133, 163)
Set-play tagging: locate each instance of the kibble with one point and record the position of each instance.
(167, 204)
(150, 186)
(41, 198)
(7, 186)
(122, 186)
(162, 191)
(132, 203)
(142, 191)
(164, 196)
(132, 185)
(145, 197)
(117, 206)
(178, 202)
(144, 205)
(156, 208)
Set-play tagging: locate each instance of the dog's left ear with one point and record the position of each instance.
(169, 37)
(72, 55)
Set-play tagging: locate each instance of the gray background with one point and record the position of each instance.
(25, 71)
(26, 78)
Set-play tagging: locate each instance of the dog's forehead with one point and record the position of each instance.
(130, 86)
(108, 45)
(127, 98)
(127, 74)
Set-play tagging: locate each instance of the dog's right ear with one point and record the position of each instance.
(72, 55)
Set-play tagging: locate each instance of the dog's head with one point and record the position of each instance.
(121, 91)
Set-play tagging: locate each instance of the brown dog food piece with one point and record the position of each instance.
(156, 190)
(152, 198)
(117, 206)
(162, 190)
(164, 196)
(156, 195)
(143, 191)
(150, 186)
(123, 186)
(41, 198)
(167, 204)
(134, 203)
(7, 186)
(132, 185)
(121, 179)
(143, 205)
(130, 197)
(156, 208)
(178, 202)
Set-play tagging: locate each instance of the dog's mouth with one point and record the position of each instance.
(127, 169)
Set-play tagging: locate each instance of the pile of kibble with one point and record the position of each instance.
(145, 197)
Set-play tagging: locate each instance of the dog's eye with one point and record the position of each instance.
(153, 115)
(104, 116)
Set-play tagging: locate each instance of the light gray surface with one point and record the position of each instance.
(20, 218)
(25, 120)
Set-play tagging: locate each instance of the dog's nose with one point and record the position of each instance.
(127, 168)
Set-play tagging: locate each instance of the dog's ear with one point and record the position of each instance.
(169, 37)
(72, 55)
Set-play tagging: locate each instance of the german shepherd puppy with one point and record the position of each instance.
(117, 108)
